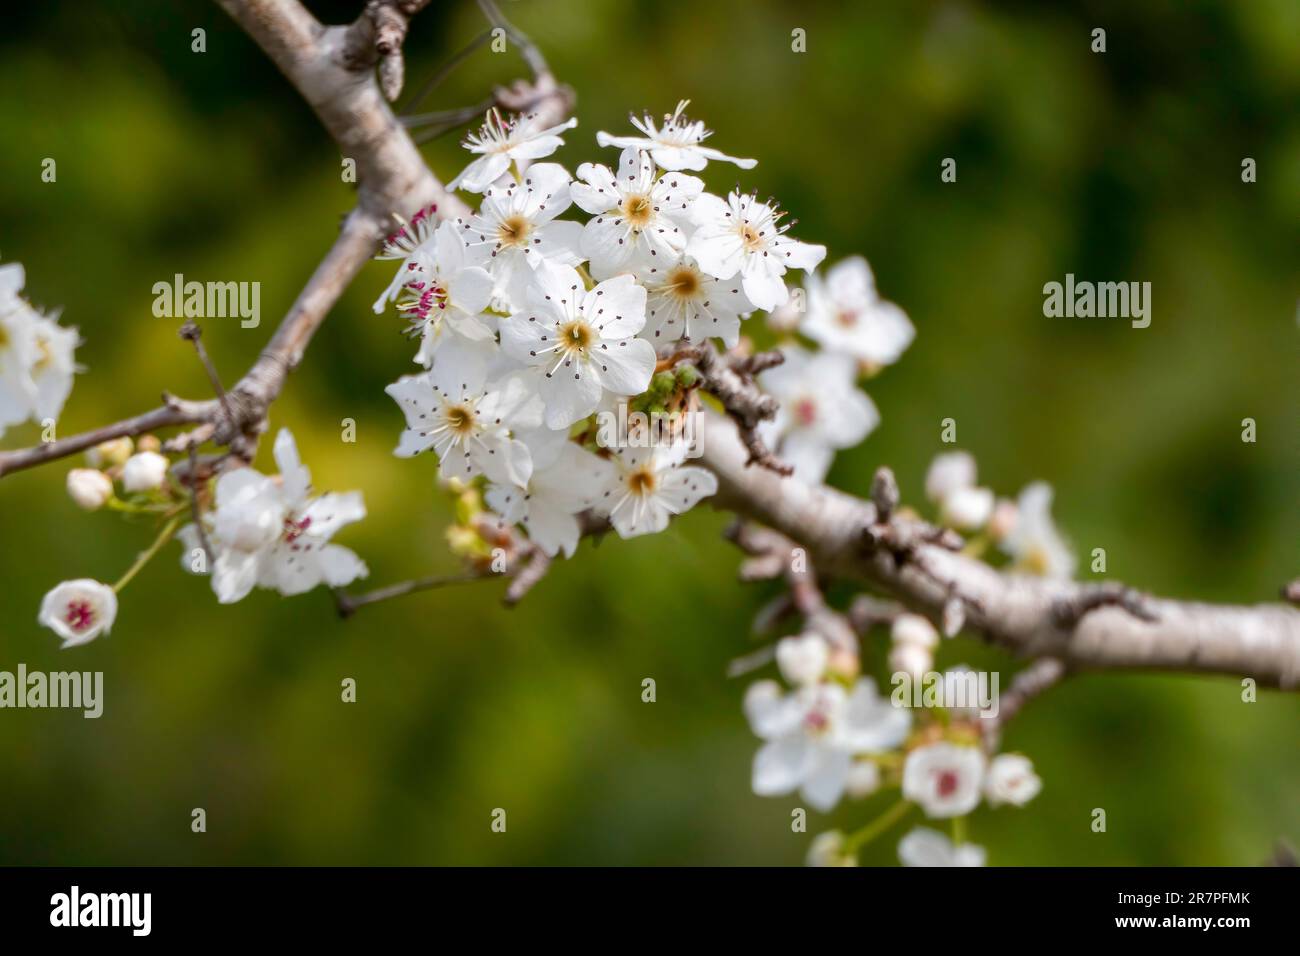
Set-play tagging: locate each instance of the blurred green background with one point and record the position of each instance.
(1122, 166)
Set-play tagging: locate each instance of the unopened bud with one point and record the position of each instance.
(111, 453)
(144, 471)
(1003, 519)
(148, 443)
(89, 488)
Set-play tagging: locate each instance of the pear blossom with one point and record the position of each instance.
(649, 485)
(944, 778)
(444, 295)
(500, 141)
(469, 426)
(559, 489)
(678, 144)
(745, 237)
(108, 454)
(515, 229)
(637, 219)
(580, 343)
(803, 659)
(926, 847)
(89, 488)
(950, 483)
(1011, 779)
(827, 849)
(144, 471)
(813, 733)
(821, 410)
(684, 301)
(36, 356)
(913, 642)
(1034, 543)
(846, 314)
(79, 611)
(271, 533)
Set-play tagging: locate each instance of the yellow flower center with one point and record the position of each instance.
(514, 231)
(684, 282)
(638, 210)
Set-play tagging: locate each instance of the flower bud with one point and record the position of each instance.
(914, 629)
(967, 509)
(110, 453)
(863, 779)
(89, 488)
(802, 660)
(827, 849)
(148, 443)
(144, 471)
(909, 658)
(1004, 518)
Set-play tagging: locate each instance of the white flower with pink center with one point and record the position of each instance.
(1011, 779)
(813, 734)
(79, 611)
(821, 410)
(944, 778)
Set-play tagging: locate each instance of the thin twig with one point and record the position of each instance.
(444, 71)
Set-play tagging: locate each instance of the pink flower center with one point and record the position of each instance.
(293, 530)
(805, 411)
(80, 615)
(947, 783)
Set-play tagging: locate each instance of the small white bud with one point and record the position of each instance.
(827, 849)
(863, 779)
(909, 658)
(89, 488)
(144, 471)
(967, 509)
(949, 472)
(914, 629)
(1003, 520)
(802, 660)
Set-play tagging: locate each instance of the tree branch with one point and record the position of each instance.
(1023, 614)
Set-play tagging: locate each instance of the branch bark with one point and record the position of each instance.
(1081, 625)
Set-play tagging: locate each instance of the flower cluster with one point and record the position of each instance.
(36, 356)
(532, 324)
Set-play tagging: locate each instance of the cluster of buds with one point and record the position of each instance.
(139, 468)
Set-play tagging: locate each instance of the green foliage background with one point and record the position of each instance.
(1117, 166)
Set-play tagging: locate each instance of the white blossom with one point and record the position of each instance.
(745, 237)
(863, 779)
(821, 410)
(36, 356)
(580, 343)
(79, 611)
(637, 220)
(684, 301)
(1034, 543)
(944, 778)
(649, 485)
(271, 533)
(561, 486)
(144, 471)
(678, 144)
(813, 734)
(515, 229)
(913, 642)
(89, 488)
(926, 847)
(470, 426)
(1011, 779)
(846, 314)
(499, 142)
(444, 295)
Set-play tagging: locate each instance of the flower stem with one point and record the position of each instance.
(958, 831)
(860, 838)
(164, 536)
